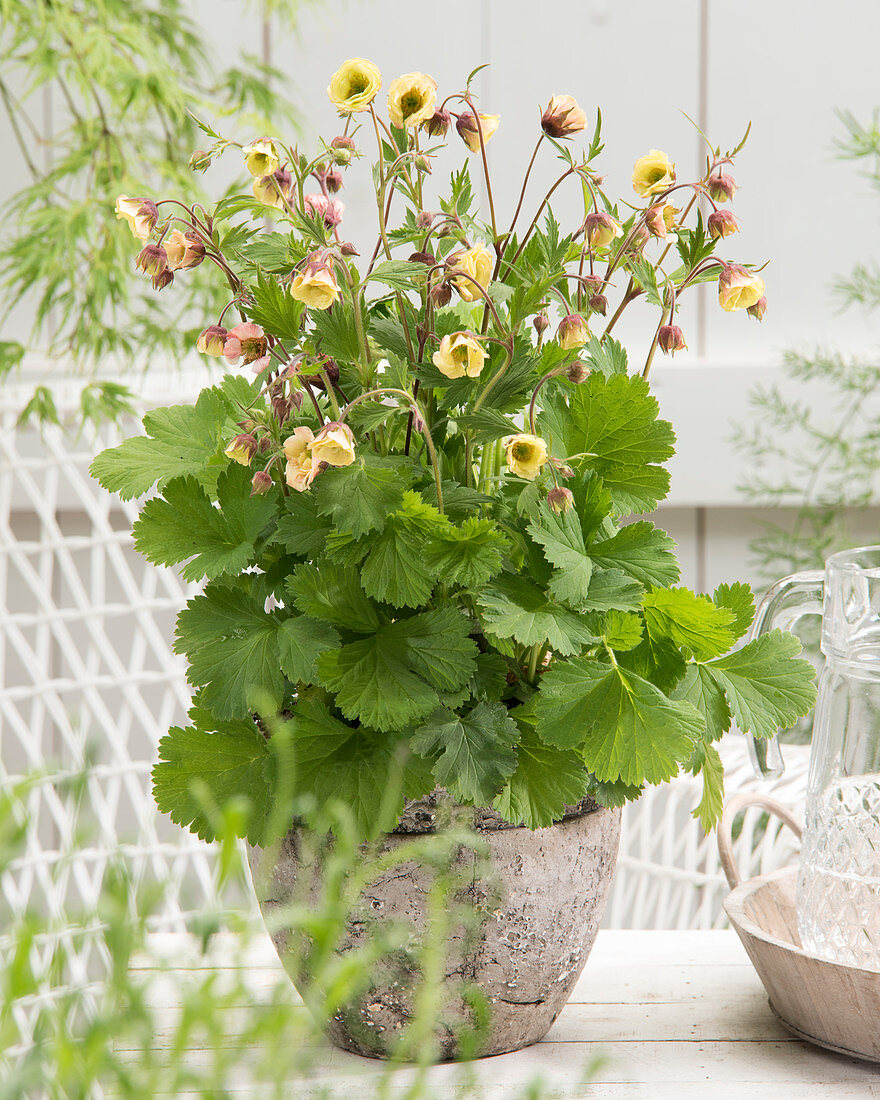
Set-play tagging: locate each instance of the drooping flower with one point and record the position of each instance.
(653, 173)
(212, 340)
(721, 223)
(246, 341)
(316, 284)
(438, 123)
(261, 483)
(469, 131)
(354, 85)
(475, 262)
(721, 188)
(411, 99)
(660, 218)
(560, 499)
(334, 444)
(300, 470)
(739, 288)
(563, 117)
(671, 339)
(458, 355)
(140, 214)
(274, 188)
(261, 157)
(183, 250)
(242, 449)
(526, 454)
(152, 259)
(600, 229)
(573, 332)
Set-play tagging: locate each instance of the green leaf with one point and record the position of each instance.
(399, 568)
(624, 727)
(613, 423)
(301, 529)
(181, 441)
(335, 332)
(621, 630)
(739, 599)
(692, 623)
(766, 685)
(592, 502)
(469, 554)
(232, 647)
(514, 608)
(607, 356)
(700, 690)
(233, 762)
(273, 308)
(334, 595)
(300, 641)
(707, 761)
(612, 590)
(186, 525)
(359, 497)
(641, 550)
(546, 780)
(657, 661)
(358, 767)
(474, 750)
(486, 425)
(563, 544)
(391, 678)
(398, 274)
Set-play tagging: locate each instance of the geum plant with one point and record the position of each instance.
(411, 521)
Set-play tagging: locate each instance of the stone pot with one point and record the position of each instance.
(540, 894)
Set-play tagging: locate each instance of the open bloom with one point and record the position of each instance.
(469, 131)
(660, 218)
(600, 229)
(212, 340)
(334, 444)
(411, 99)
(301, 469)
(261, 157)
(475, 262)
(354, 86)
(739, 288)
(319, 206)
(459, 355)
(245, 341)
(141, 215)
(315, 285)
(572, 332)
(652, 173)
(526, 454)
(562, 117)
(184, 250)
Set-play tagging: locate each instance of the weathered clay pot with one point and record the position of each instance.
(541, 902)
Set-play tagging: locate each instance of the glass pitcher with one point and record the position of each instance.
(838, 887)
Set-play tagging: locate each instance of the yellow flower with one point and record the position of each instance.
(660, 219)
(316, 286)
(242, 449)
(261, 157)
(301, 469)
(601, 229)
(652, 173)
(477, 262)
(739, 288)
(334, 444)
(526, 454)
(141, 215)
(563, 117)
(470, 133)
(572, 332)
(411, 99)
(459, 355)
(354, 85)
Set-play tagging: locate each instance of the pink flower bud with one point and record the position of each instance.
(242, 449)
(599, 304)
(343, 149)
(152, 259)
(592, 283)
(348, 249)
(637, 241)
(425, 220)
(577, 372)
(721, 188)
(541, 322)
(333, 181)
(600, 229)
(562, 117)
(572, 332)
(438, 123)
(163, 279)
(200, 161)
(758, 309)
(560, 499)
(261, 483)
(441, 294)
(721, 223)
(212, 340)
(670, 339)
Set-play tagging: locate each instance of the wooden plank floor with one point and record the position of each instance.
(672, 1015)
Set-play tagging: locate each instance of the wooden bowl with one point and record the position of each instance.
(834, 1005)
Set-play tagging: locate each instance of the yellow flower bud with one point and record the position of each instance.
(411, 99)
(739, 288)
(334, 444)
(141, 215)
(526, 454)
(316, 286)
(652, 173)
(601, 229)
(212, 341)
(469, 132)
(459, 355)
(562, 117)
(354, 86)
(572, 332)
(242, 449)
(476, 262)
(261, 157)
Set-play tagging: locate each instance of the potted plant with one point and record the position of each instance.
(411, 510)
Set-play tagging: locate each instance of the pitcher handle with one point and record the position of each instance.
(733, 807)
(788, 601)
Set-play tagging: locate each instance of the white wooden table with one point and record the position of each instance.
(671, 1014)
